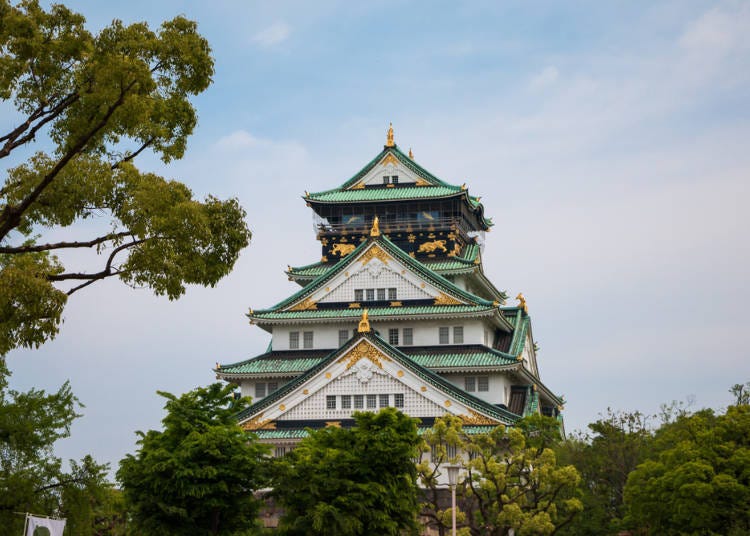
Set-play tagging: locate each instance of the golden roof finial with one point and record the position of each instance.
(411, 154)
(522, 303)
(375, 230)
(389, 140)
(218, 367)
(364, 323)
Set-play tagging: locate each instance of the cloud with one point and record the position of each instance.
(546, 77)
(277, 33)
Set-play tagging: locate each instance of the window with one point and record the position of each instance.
(483, 383)
(398, 400)
(450, 451)
(393, 336)
(330, 402)
(392, 294)
(346, 402)
(343, 336)
(280, 452)
(408, 336)
(372, 401)
(470, 384)
(383, 401)
(444, 335)
(359, 295)
(458, 335)
(307, 339)
(359, 401)
(260, 390)
(273, 386)
(381, 294)
(394, 179)
(370, 292)
(293, 340)
(386, 179)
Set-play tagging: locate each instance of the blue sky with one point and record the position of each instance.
(608, 140)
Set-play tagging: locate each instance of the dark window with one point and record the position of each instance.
(260, 390)
(443, 336)
(343, 336)
(359, 294)
(392, 294)
(293, 340)
(398, 400)
(483, 383)
(394, 179)
(381, 294)
(359, 401)
(386, 179)
(346, 402)
(273, 386)
(393, 336)
(370, 294)
(372, 401)
(408, 336)
(307, 339)
(330, 402)
(458, 335)
(383, 401)
(470, 384)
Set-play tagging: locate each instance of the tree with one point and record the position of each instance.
(512, 481)
(32, 478)
(198, 475)
(94, 103)
(696, 481)
(357, 481)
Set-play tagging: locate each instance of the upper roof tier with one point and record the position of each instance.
(394, 177)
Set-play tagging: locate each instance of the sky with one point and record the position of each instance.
(608, 141)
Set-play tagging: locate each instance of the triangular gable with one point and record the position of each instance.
(367, 365)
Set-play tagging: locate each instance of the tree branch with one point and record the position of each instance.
(63, 245)
(133, 155)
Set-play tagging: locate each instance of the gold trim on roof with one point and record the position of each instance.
(421, 182)
(364, 349)
(305, 305)
(342, 250)
(375, 252)
(333, 424)
(477, 418)
(257, 423)
(522, 303)
(389, 138)
(389, 159)
(444, 299)
(364, 323)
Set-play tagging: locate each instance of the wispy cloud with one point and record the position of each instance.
(277, 33)
(546, 77)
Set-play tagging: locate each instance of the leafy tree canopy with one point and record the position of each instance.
(357, 481)
(198, 475)
(95, 102)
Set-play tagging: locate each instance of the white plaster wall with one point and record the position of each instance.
(499, 392)
(375, 176)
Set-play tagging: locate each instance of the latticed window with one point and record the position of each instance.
(470, 384)
(393, 336)
(450, 451)
(307, 340)
(343, 336)
(280, 452)
(359, 295)
(359, 401)
(372, 401)
(260, 390)
(386, 179)
(443, 336)
(408, 336)
(381, 294)
(331, 402)
(383, 401)
(293, 340)
(458, 335)
(392, 294)
(483, 383)
(346, 401)
(370, 293)
(394, 179)
(398, 400)
(273, 386)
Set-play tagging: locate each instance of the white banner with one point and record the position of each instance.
(54, 526)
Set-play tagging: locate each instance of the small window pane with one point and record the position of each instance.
(280, 452)
(359, 295)
(260, 390)
(392, 294)
(470, 384)
(343, 336)
(393, 336)
(394, 179)
(359, 401)
(370, 294)
(381, 294)
(293, 340)
(444, 334)
(450, 451)
(483, 383)
(346, 402)
(372, 401)
(331, 402)
(307, 341)
(408, 336)
(458, 335)
(386, 179)
(273, 386)
(398, 400)
(383, 401)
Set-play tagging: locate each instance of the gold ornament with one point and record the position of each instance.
(389, 139)
(444, 299)
(305, 305)
(364, 349)
(364, 323)
(522, 303)
(375, 230)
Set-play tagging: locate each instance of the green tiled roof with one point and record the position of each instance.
(272, 366)
(421, 310)
(479, 358)
(301, 433)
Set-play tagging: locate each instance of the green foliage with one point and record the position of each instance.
(198, 475)
(99, 101)
(512, 480)
(32, 478)
(697, 479)
(357, 481)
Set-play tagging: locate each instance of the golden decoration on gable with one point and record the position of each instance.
(282, 407)
(328, 375)
(430, 247)
(364, 323)
(444, 299)
(364, 349)
(257, 423)
(389, 159)
(305, 392)
(396, 304)
(522, 303)
(333, 424)
(375, 252)
(400, 374)
(447, 403)
(477, 418)
(423, 389)
(359, 186)
(354, 305)
(305, 305)
(421, 182)
(342, 250)
(411, 237)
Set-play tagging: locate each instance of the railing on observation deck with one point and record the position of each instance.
(406, 225)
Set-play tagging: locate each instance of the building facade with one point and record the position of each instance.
(398, 312)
